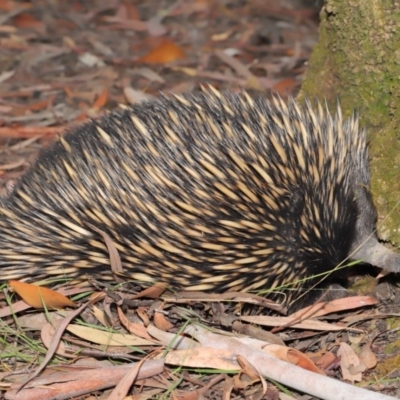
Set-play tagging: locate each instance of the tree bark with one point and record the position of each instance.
(357, 60)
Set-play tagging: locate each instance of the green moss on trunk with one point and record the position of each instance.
(357, 60)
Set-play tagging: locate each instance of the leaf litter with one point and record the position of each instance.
(66, 62)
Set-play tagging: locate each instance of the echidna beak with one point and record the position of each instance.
(374, 253)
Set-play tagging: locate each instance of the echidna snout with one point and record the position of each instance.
(206, 192)
(365, 245)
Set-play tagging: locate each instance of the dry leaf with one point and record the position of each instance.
(161, 322)
(367, 357)
(101, 100)
(325, 361)
(343, 304)
(46, 334)
(123, 386)
(107, 338)
(23, 109)
(293, 356)
(349, 360)
(133, 327)
(115, 259)
(166, 52)
(285, 86)
(36, 296)
(131, 11)
(142, 314)
(296, 357)
(25, 20)
(153, 292)
(70, 382)
(248, 376)
(101, 316)
(26, 132)
(288, 321)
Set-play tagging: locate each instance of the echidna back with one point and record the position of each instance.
(206, 192)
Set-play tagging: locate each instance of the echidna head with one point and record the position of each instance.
(365, 246)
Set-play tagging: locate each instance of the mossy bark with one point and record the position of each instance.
(357, 60)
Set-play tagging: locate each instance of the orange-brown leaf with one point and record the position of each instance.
(101, 100)
(298, 358)
(133, 327)
(26, 132)
(36, 296)
(166, 52)
(37, 106)
(285, 86)
(161, 322)
(292, 356)
(153, 292)
(25, 20)
(131, 11)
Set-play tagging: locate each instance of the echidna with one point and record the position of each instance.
(206, 192)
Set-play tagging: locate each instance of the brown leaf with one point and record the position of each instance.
(36, 106)
(348, 361)
(123, 386)
(248, 376)
(166, 52)
(74, 381)
(343, 304)
(101, 100)
(107, 338)
(153, 292)
(161, 322)
(285, 86)
(56, 340)
(37, 296)
(289, 321)
(131, 11)
(115, 259)
(47, 333)
(133, 327)
(30, 131)
(367, 357)
(293, 356)
(298, 358)
(25, 20)
(325, 361)
(142, 314)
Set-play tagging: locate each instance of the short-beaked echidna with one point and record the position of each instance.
(206, 192)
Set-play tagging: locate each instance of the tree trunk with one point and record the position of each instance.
(357, 60)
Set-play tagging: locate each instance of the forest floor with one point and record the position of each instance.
(65, 62)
